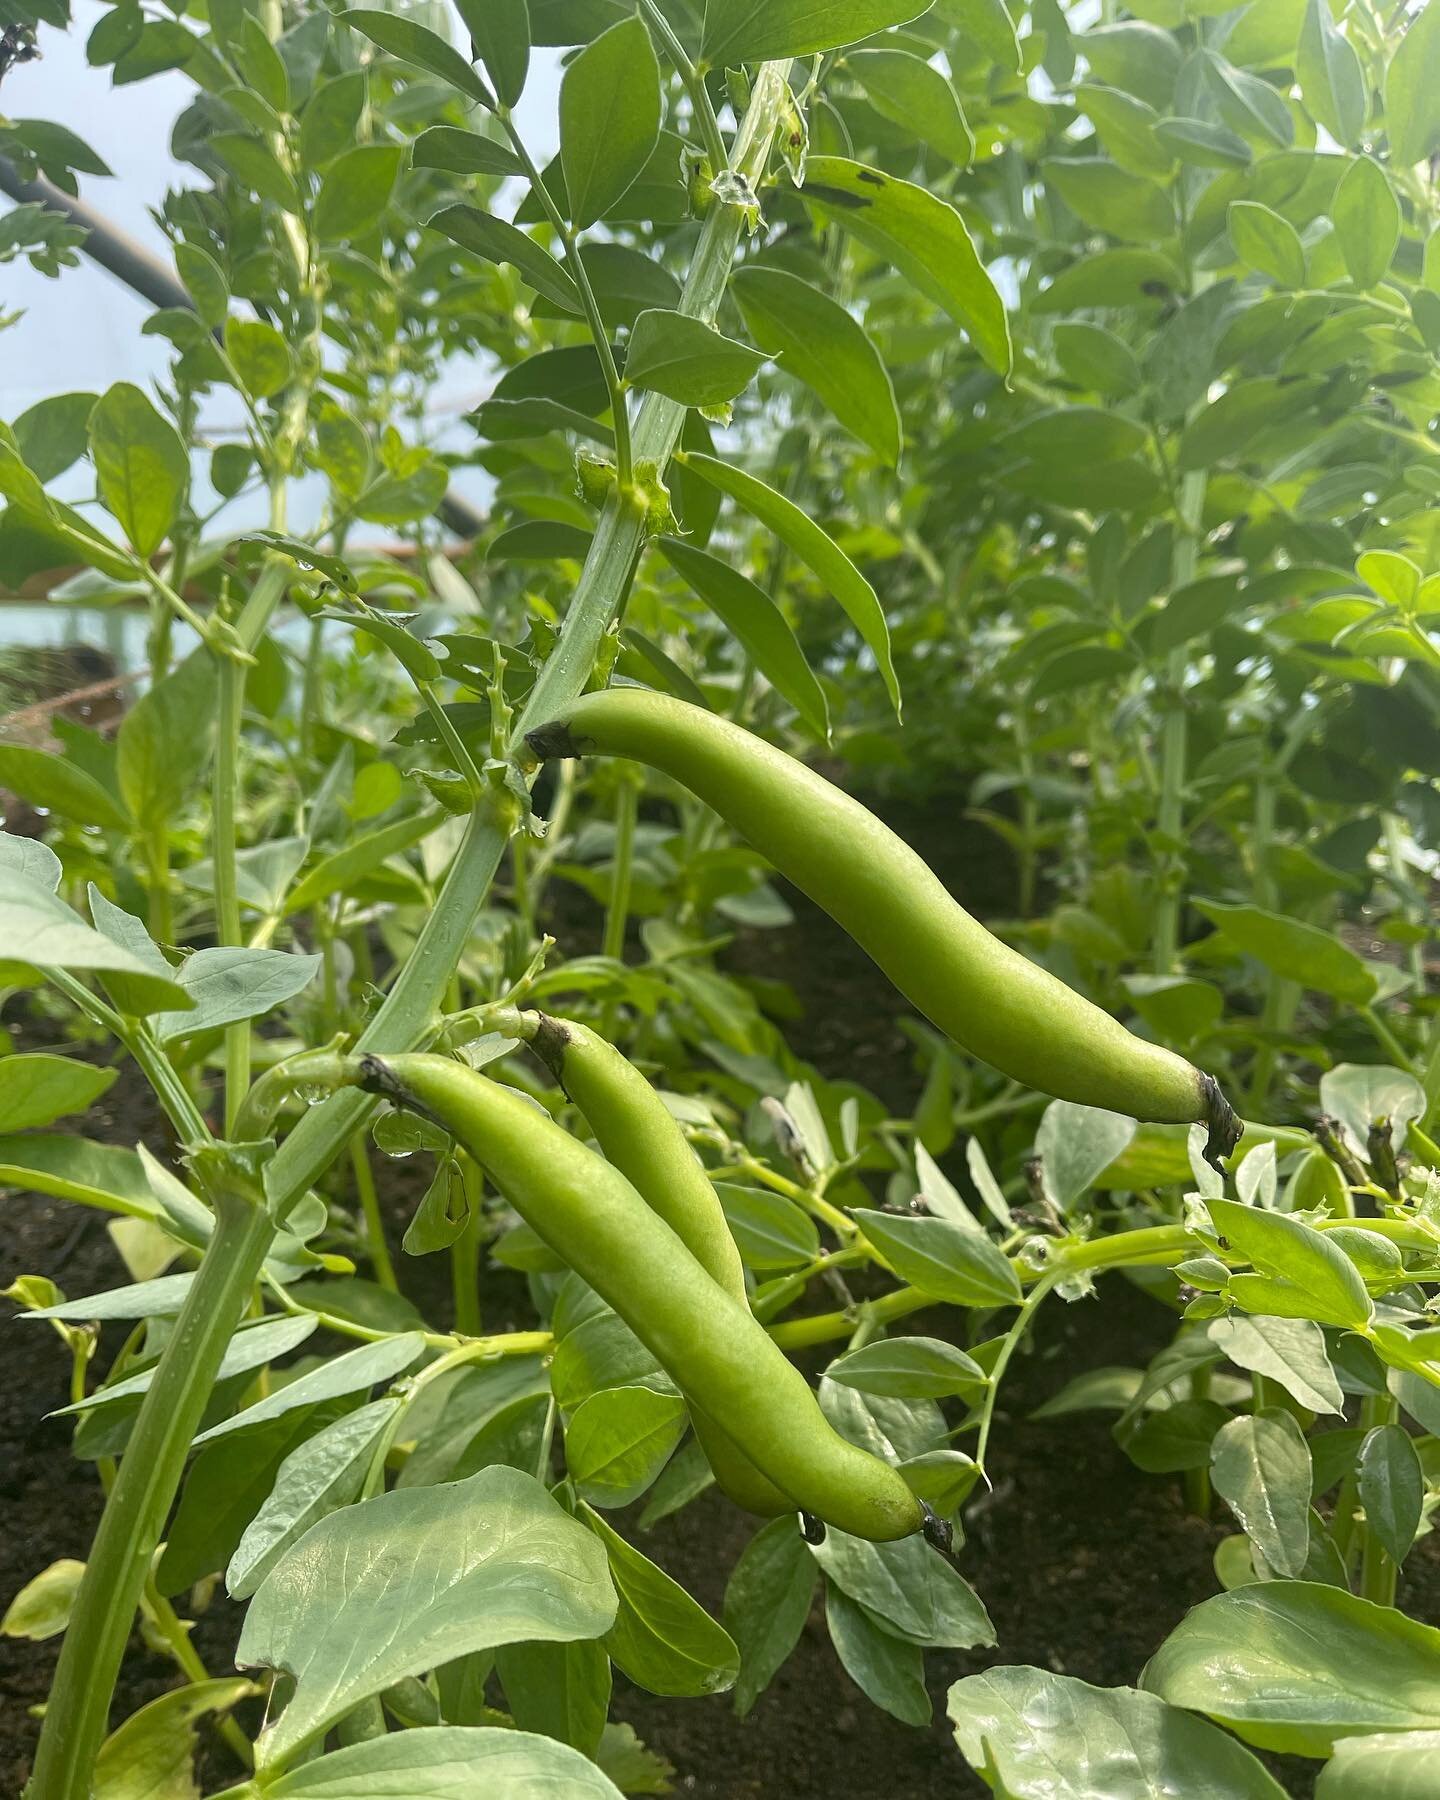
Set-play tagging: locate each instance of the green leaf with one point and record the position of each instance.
(1295, 1666)
(818, 342)
(1265, 241)
(412, 1578)
(260, 356)
(1293, 949)
(1367, 221)
(942, 1259)
(141, 465)
(1177, 1438)
(72, 1168)
(1095, 358)
(41, 1609)
(53, 434)
(1260, 1465)
(333, 568)
(1077, 1143)
(1411, 83)
(1203, 144)
(988, 24)
(609, 118)
(152, 1755)
(1067, 434)
(768, 1236)
(499, 242)
(359, 858)
(819, 552)
(59, 785)
(37, 928)
(1249, 105)
(662, 1639)
(159, 1298)
(1137, 57)
(417, 659)
(618, 1440)
(1034, 1735)
(351, 1373)
(1290, 1351)
(767, 1601)
(1299, 1255)
(1361, 1094)
(462, 153)
(913, 94)
(330, 119)
(688, 360)
(500, 33)
(37, 1090)
(911, 1368)
(913, 1593)
(920, 235)
(164, 743)
(356, 190)
(229, 983)
(559, 1690)
(748, 612)
(1332, 83)
(252, 1347)
(1392, 1488)
(1107, 199)
(421, 48)
(887, 1669)
(449, 1762)
(1388, 1766)
(743, 31)
(256, 167)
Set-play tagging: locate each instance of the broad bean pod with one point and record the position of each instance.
(712, 1347)
(988, 998)
(639, 1135)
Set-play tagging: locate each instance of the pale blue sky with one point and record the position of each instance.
(82, 331)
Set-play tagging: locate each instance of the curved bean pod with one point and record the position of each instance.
(639, 1136)
(987, 997)
(714, 1349)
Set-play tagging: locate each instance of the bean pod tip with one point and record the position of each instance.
(938, 1533)
(554, 742)
(1225, 1124)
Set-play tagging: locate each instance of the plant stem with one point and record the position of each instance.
(375, 1243)
(187, 1659)
(78, 1710)
(408, 1012)
(1196, 1482)
(465, 1254)
(694, 83)
(150, 1471)
(627, 806)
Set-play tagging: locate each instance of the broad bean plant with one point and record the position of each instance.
(1030, 406)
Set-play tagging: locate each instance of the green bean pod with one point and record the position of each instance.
(712, 1347)
(987, 997)
(638, 1134)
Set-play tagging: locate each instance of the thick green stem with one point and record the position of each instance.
(78, 1710)
(378, 1249)
(627, 806)
(465, 1254)
(408, 1012)
(135, 1513)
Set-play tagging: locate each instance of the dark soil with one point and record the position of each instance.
(1084, 1563)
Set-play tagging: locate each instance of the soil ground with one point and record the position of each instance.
(1084, 1563)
